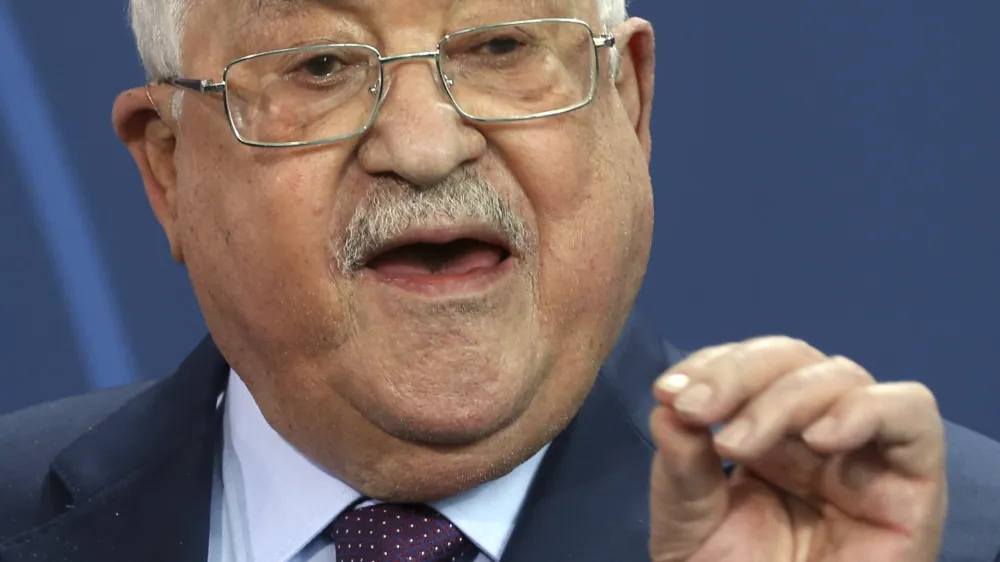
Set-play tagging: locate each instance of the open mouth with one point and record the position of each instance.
(439, 255)
(460, 257)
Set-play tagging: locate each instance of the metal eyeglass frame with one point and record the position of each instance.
(206, 86)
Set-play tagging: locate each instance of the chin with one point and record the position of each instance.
(448, 372)
(450, 402)
(451, 424)
(448, 394)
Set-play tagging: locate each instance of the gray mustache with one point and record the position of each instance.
(394, 207)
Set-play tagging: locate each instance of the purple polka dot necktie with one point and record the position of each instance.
(399, 533)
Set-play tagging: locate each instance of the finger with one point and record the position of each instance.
(793, 467)
(789, 405)
(676, 380)
(688, 488)
(901, 418)
(718, 387)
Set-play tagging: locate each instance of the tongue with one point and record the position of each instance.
(456, 258)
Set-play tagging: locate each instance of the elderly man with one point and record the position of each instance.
(416, 229)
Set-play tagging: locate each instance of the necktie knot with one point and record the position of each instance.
(399, 533)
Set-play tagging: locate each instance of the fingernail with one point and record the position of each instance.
(673, 383)
(823, 430)
(694, 399)
(734, 435)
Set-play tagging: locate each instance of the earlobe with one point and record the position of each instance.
(152, 142)
(636, 76)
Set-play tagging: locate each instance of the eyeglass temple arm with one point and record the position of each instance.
(202, 86)
(604, 41)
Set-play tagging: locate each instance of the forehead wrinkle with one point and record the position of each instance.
(284, 7)
(281, 7)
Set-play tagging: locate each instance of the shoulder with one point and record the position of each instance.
(54, 425)
(31, 439)
(973, 526)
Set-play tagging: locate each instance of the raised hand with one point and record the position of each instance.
(831, 466)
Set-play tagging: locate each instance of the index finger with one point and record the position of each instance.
(677, 378)
(710, 387)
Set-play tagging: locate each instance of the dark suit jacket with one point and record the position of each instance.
(125, 475)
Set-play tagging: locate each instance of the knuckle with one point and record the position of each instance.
(740, 353)
(764, 342)
(851, 367)
(696, 363)
(911, 397)
(809, 376)
(786, 344)
(802, 348)
(824, 376)
(738, 359)
(922, 395)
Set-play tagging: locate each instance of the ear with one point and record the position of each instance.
(152, 141)
(635, 79)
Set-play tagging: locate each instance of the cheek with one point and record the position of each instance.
(589, 211)
(593, 203)
(261, 233)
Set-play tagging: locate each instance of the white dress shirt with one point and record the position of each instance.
(271, 504)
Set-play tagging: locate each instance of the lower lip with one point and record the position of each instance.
(475, 281)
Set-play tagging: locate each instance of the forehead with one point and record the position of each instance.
(259, 25)
(272, 8)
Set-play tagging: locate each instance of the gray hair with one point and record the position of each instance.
(158, 26)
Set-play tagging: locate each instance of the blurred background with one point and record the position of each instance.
(824, 169)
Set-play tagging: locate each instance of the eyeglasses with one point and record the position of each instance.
(318, 94)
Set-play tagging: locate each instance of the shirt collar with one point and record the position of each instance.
(286, 500)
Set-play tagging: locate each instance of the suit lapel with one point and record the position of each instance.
(139, 483)
(590, 498)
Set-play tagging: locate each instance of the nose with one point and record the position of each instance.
(418, 135)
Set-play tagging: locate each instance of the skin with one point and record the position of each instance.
(831, 466)
(411, 397)
(403, 397)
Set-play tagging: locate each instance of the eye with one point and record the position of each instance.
(500, 46)
(322, 66)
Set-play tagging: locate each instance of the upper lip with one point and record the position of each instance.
(442, 234)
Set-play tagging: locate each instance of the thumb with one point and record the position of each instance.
(689, 493)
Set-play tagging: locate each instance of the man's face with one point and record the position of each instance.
(433, 293)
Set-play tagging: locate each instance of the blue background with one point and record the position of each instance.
(826, 169)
